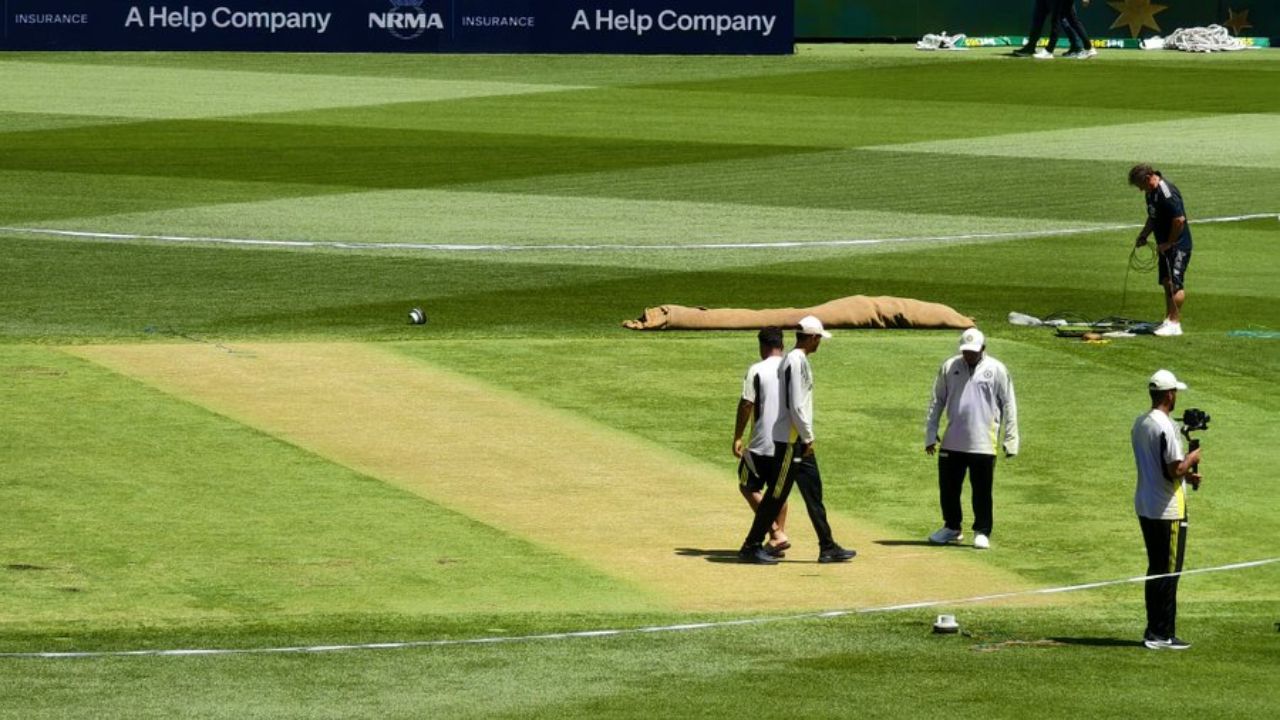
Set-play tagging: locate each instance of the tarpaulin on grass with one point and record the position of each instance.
(855, 311)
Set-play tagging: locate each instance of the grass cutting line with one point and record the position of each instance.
(499, 248)
(614, 632)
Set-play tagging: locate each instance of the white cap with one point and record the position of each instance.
(810, 325)
(1165, 380)
(971, 340)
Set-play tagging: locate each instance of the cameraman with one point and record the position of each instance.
(1161, 503)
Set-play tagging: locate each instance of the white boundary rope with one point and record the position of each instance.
(684, 627)
(491, 247)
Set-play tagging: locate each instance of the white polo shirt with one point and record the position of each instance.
(1155, 445)
(760, 387)
(977, 401)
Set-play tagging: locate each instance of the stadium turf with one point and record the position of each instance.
(140, 515)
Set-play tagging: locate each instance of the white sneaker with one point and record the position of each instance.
(1086, 53)
(1043, 54)
(981, 542)
(946, 535)
(1168, 329)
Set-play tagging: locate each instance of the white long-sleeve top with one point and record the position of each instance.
(977, 400)
(795, 385)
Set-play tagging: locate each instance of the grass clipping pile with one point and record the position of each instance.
(855, 311)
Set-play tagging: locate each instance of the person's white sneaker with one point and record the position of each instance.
(1151, 642)
(946, 535)
(1086, 53)
(981, 542)
(1043, 54)
(1168, 329)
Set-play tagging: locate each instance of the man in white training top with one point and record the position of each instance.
(1160, 500)
(794, 443)
(977, 393)
(759, 405)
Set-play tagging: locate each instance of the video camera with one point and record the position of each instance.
(1194, 420)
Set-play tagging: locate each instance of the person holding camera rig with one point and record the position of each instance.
(1160, 501)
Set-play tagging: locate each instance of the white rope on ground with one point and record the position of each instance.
(683, 627)
(1213, 38)
(492, 247)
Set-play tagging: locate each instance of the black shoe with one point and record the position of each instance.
(835, 553)
(1155, 642)
(756, 556)
(776, 551)
(1024, 52)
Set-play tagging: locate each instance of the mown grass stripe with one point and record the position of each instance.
(493, 247)
(614, 632)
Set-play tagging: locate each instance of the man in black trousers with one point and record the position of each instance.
(1066, 19)
(1160, 500)
(1043, 9)
(1062, 15)
(794, 446)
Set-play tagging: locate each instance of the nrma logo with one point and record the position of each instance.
(406, 19)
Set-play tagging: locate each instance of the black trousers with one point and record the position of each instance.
(952, 466)
(1044, 8)
(1066, 20)
(1166, 542)
(792, 469)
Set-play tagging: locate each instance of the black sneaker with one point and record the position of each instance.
(1155, 642)
(835, 553)
(1024, 52)
(756, 556)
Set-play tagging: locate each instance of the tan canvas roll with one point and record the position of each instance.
(856, 311)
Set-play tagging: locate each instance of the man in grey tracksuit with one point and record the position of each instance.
(977, 393)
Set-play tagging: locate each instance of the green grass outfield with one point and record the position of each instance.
(136, 519)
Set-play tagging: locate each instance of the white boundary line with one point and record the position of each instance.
(492, 247)
(684, 627)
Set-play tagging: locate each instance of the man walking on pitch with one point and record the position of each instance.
(977, 393)
(1167, 219)
(794, 445)
(1066, 20)
(759, 402)
(1161, 503)
(1062, 14)
(1042, 11)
